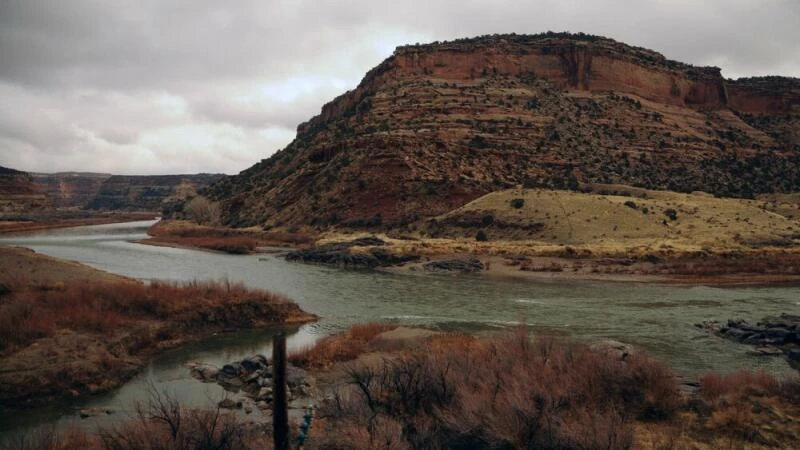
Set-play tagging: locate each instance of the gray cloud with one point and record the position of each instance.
(181, 86)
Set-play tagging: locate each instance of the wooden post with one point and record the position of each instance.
(280, 401)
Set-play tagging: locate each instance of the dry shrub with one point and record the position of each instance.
(508, 392)
(714, 386)
(202, 210)
(38, 311)
(751, 407)
(341, 347)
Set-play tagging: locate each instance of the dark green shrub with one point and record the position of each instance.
(480, 236)
(517, 203)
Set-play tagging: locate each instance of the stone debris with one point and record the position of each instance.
(252, 378)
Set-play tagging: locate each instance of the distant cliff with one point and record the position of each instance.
(19, 192)
(146, 193)
(437, 125)
(22, 193)
(70, 189)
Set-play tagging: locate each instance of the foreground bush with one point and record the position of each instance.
(159, 423)
(749, 409)
(507, 392)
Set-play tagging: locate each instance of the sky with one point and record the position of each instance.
(188, 86)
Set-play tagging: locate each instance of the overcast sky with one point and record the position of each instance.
(185, 86)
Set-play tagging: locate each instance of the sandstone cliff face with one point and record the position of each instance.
(569, 63)
(437, 125)
(765, 95)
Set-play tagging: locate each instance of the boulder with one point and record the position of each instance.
(616, 349)
(232, 370)
(253, 363)
(264, 394)
(736, 334)
(766, 351)
(94, 412)
(204, 372)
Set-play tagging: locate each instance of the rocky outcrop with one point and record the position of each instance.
(435, 126)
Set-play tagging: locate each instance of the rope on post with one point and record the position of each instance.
(305, 426)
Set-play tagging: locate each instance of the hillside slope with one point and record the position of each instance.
(436, 126)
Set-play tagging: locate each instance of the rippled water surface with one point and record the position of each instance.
(656, 317)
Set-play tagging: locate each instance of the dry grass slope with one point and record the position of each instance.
(632, 218)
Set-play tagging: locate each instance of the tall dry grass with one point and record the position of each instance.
(507, 392)
(341, 347)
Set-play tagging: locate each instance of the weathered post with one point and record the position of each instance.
(280, 401)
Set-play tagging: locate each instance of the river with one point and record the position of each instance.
(658, 318)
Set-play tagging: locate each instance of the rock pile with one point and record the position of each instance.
(252, 377)
(771, 336)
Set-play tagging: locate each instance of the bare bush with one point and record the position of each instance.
(509, 392)
(162, 423)
(202, 210)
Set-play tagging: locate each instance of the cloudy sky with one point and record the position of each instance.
(184, 86)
